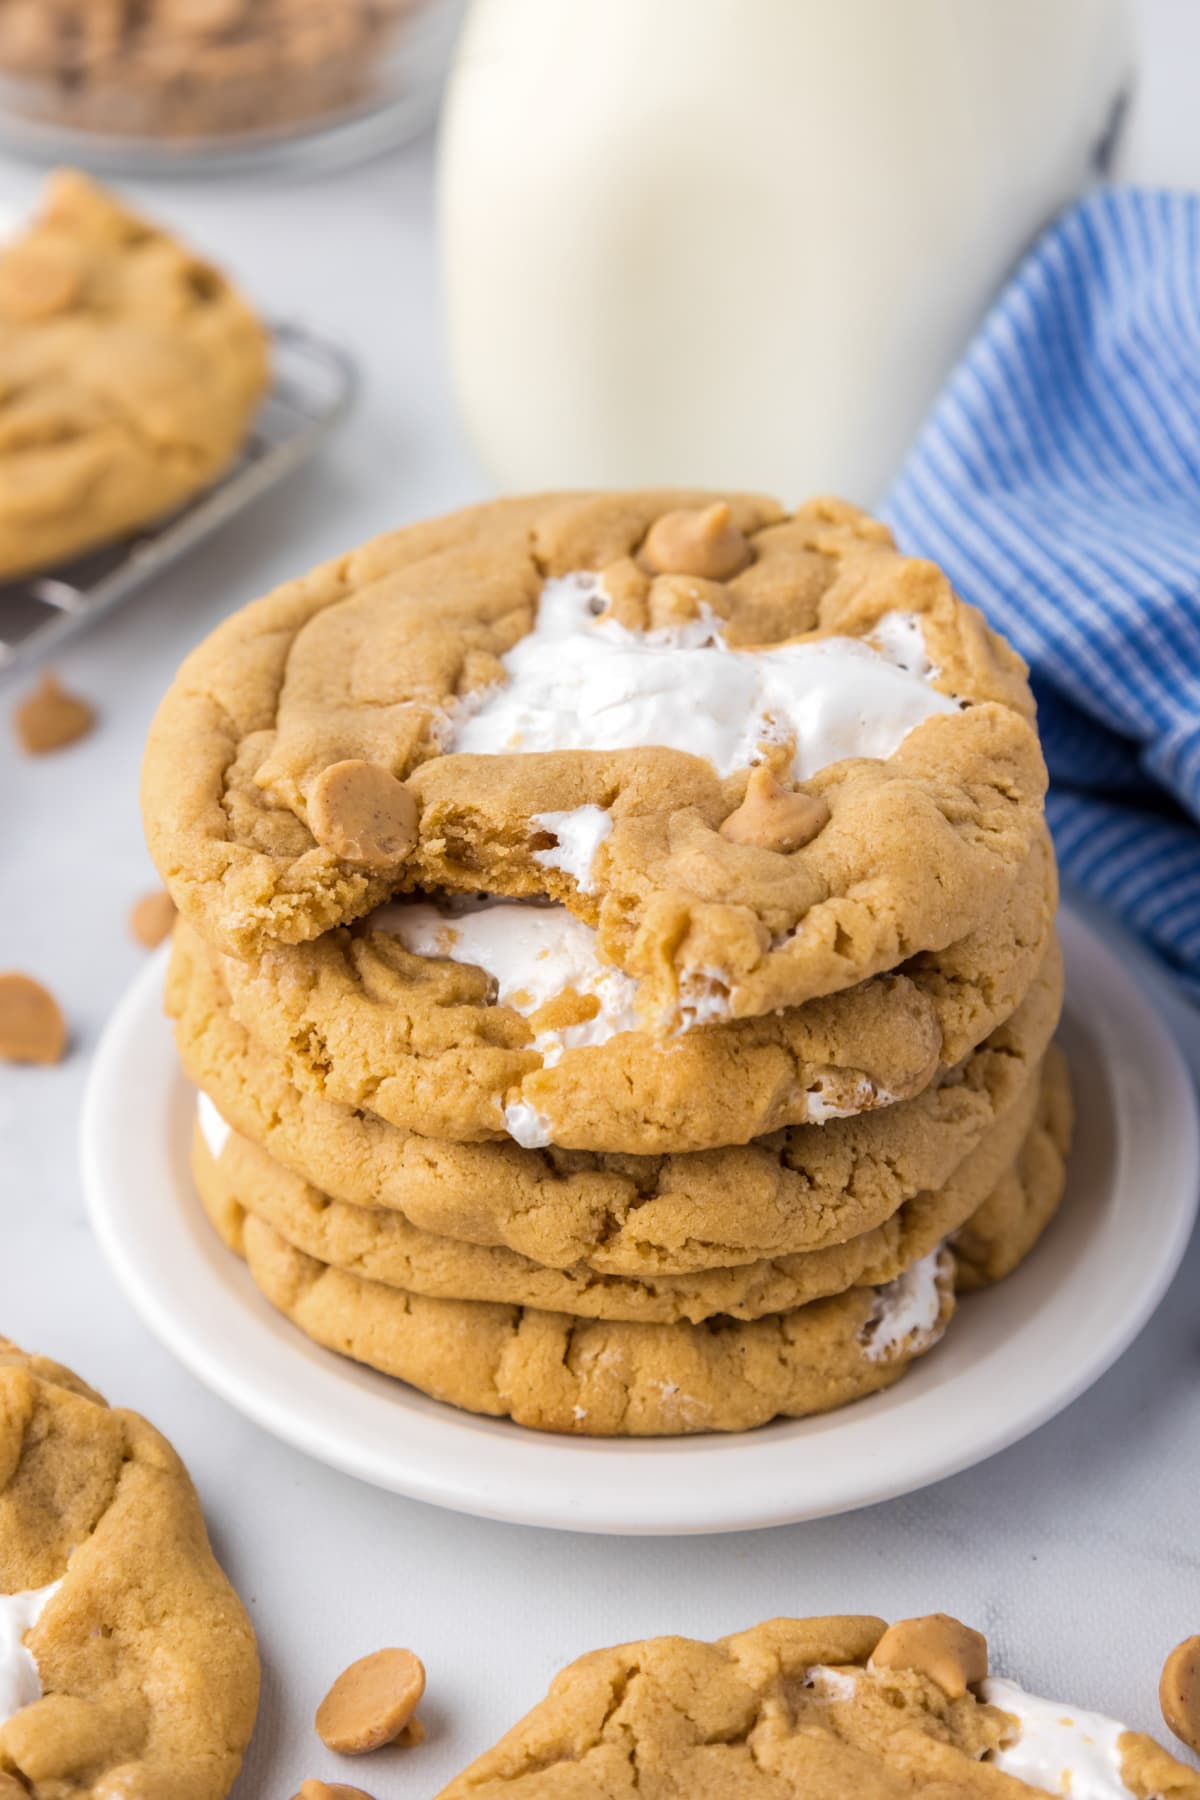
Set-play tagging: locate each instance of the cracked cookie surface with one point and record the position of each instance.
(395, 656)
(800, 1189)
(129, 373)
(802, 1707)
(1023, 1156)
(603, 1378)
(466, 1045)
(142, 1673)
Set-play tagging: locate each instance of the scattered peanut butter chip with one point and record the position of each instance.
(11, 1788)
(775, 817)
(371, 1702)
(49, 717)
(151, 918)
(704, 542)
(1179, 1692)
(322, 1790)
(950, 1653)
(363, 814)
(32, 1028)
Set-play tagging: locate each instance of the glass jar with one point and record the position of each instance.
(167, 86)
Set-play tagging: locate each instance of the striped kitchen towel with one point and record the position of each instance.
(1057, 481)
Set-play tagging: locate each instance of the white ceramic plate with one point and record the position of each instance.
(1014, 1357)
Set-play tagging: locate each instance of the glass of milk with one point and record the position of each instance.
(741, 242)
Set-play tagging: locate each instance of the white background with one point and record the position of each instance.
(1078, 1552)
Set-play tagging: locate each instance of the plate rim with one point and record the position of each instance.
(647, 1507)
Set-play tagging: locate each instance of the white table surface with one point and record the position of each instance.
(1078, 1551)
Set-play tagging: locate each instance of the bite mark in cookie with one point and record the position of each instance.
(519, 671)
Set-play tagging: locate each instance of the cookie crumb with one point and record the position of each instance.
(49, 718)
(949, 1652)
(1179, 1692)
(32, 1028)
(313, 1789)
(372, 1702)
(151, 918)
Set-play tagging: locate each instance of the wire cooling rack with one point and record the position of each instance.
(312, 390)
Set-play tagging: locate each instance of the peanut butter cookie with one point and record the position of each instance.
(833, 1707)
(129, 373)
(494, 1017)
(1023, 1155)
(127, 1664)
(567, 723)
(645, 1216)
(602, 1378)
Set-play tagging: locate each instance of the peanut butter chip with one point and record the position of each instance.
(363, 814)
(32, 1029)
(371, 1702)
(11, 1788)
(1179, 1692)
(705, 543)
(151, 918)
(951, 1654)
(319, 1790)
(49, 717)
(774, 817)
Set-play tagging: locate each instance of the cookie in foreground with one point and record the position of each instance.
(128, 1666)
(841, 1708)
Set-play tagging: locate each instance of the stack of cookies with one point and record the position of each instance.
(616, 956)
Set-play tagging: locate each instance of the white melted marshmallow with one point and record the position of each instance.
(822, 1106)
(581, 682)
(1058, 1749)
(900, 638)
(20, 1683)
(908, 1307)
(831, 1684)
(213, 1128)
(534, 953)
(579, 833)
(526, 1125)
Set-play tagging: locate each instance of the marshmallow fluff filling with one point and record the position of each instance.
(907, 1310)
(213, 1128)
(532, 952)
(1059, 1748)
(1054, 1749)
(581, 681)
(20, 1682)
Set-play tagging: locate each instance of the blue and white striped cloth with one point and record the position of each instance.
(1057, 481)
